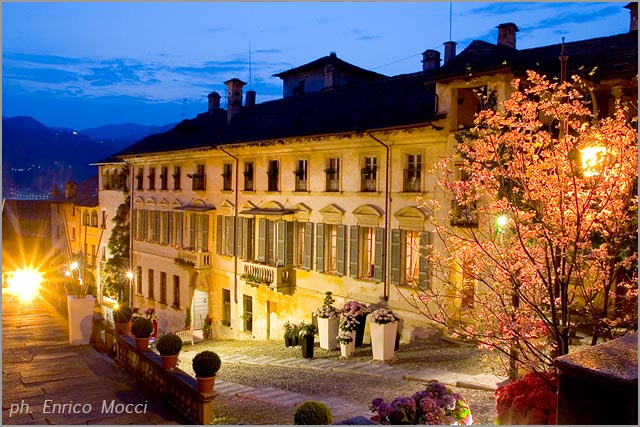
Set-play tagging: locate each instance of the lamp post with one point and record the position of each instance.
(130, 277)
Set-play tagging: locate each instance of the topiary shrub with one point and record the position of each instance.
(312, 412)
(142, 327)
(122, 314)
(206, 364)
(169, 345)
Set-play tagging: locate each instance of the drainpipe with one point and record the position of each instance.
(235, 227)
(387, 201)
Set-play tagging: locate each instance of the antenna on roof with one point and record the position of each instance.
(249, 64)
(450, 18)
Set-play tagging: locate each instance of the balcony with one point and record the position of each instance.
(196, 259)
(279, 279)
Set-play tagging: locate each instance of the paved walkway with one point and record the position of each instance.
(45, 380)
(339, 408)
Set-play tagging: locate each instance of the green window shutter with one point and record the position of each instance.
(239, 235)
(378, 268)
(179, 231)
(219, 234)
(395, 256)
(342, 248)
(249, 238)
(192, 230)
(262, 240)
(203, 232)
(230, 223)
(320, 248)
(281, 242)
(308, 236)
(134, 224)
(424, 273)
(288, 259)
(353, 251)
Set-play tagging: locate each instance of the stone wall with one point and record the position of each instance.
(599, 385)
(179, 389)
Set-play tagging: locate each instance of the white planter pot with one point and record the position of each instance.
(80, 312)
(349, 349)
(383, 340)
(328, 331)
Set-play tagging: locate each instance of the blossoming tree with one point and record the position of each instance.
(542, 233)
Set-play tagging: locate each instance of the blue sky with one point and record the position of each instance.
(83, 65)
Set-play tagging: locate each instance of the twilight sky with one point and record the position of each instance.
(84, 65)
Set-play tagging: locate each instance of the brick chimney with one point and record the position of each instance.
(633, 16)
(70, 190)
(507, 34)
(214, 102)
(430, 60)
(234, 97)
(250, 98)
(449, 51)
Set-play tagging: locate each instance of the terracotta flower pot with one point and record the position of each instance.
(123, 328)
(205, 385)
(142, 344)
(169, 362)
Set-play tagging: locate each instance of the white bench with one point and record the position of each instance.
(186, 336)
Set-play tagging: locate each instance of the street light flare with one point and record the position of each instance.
(24, 283)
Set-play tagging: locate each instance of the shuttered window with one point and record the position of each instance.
(409, 260)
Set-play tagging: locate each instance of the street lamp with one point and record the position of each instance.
(129, 275)
(592, 159)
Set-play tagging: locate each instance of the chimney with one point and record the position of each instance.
(449, 51)
(507, 34)
(430, 60)
(633, 16)
(69, 190)
(214, 102)
(234, 97)
(250, 98)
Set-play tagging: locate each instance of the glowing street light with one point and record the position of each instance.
(502, 221)
(129, 275)
(24, 283)
(592, 159)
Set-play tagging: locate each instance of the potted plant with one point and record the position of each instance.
(384, 326)
(532, 399)
(311, 413)
(295, 338)
(306, 332)
(141, 330)
(347, 336)
(288, 334)
(169, 346)
(206, 365)
(359, 311)
(122, 319)
(328, 323)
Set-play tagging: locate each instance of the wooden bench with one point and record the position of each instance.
(186, 336)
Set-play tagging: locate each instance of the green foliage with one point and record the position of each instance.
(312, 412)
(122, 314)
(114, 278)
(169, 345)
(206, 364)
(305, 329)
(142, 327)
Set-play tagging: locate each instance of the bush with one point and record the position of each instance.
(122, 314)
(169, 345)
(142, 327)
(206, 364)
(312, 413)
(532, 399)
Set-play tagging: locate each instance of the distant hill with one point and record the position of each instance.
(36, 157)
(126, 133)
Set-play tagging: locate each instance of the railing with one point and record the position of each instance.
(333, 185)
(279, 279)
(199, 259)
(411, 181)
(368, 185)
(301, 184)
